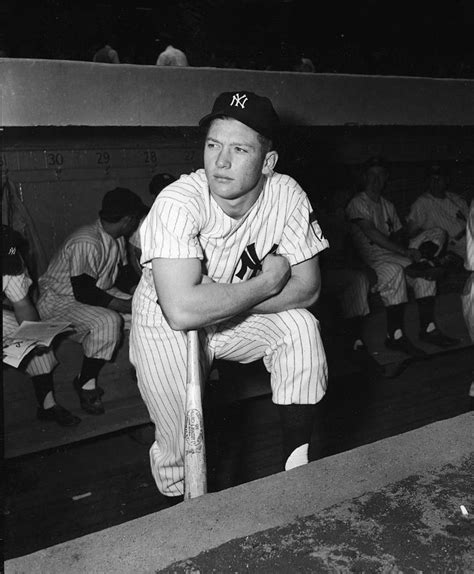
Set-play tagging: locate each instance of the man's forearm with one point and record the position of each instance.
(212, 303)
(293, 296)
(382, 241)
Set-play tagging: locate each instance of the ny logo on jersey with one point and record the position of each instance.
(249, 260)
(239, 100)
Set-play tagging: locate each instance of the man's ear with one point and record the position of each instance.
(270, 162)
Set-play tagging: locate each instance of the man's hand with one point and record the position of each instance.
(120, 305)
(413, 254)
(277, 270)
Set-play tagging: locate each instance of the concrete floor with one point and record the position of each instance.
(390, 506)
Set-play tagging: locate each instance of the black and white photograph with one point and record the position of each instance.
(238, 286)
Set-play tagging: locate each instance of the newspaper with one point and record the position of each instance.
(30, 335)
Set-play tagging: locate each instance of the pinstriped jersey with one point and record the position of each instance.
(186, 222)
(16, 287)
(381, 213)
(448, 213)
(470, 239)
(89, 250)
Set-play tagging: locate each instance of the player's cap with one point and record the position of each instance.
(12, 241)
(375, 161)
(121, 201)
(160, 181)
(253, 110)
(437, 169)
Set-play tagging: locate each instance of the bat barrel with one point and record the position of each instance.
(195, 475)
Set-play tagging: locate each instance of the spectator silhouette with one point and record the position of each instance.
(169, 54)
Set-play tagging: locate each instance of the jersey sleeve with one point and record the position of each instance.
(358, 209)
(16, 287)
(83, 257)
(302, 236)
(170, 230)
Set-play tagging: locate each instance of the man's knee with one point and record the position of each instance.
(108, 322)
(301, 323)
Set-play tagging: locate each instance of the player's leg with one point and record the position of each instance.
(354, 305)
(159, 356)
(40, 369)
(291, 347)
(425, 295)
(392, 287)
(99, 330)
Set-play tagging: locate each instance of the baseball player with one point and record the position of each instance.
(16, 284)
(232, 251)
(440, 208)
(86, 283)
(468, 292)
(157, 183)
(375, 224)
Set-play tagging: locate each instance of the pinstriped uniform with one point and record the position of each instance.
(186, 222)
(468, 292)
(389, 266)
(448, 213)
(92, 251)
(15, 288)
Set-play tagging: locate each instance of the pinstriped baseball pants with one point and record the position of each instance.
(33, 365)
(289, 343)
(98, 329)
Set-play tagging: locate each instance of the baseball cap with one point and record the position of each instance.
(253, 110)
(12, 241)
(376, 161)
(121, 201)
(160, 181)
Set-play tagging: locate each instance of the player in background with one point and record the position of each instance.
(232, 251)
(88, 282)
(468, 291)
(376, 230)
(157, 183)
(39, 363)
(440, 208)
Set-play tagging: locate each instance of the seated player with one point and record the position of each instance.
(375, 223)
(230, 250)
(39, 363)
(88, 282)
(438, 207)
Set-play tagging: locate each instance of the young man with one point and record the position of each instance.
(230, 250)
(86, 283)
(375, 224)
(39, 364)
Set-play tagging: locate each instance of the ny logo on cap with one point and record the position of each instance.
(239, 100)
(12, 251)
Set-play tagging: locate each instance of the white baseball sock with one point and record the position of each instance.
(298, 457)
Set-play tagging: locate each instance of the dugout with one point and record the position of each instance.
(73, 130)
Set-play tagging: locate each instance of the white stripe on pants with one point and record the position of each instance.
(98, 329)
(289, 343)
(33, 364)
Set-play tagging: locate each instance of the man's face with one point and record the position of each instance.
(235, 161)
(377, 177)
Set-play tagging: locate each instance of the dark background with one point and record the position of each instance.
(364, 36)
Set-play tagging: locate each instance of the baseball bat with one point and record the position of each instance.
(195, 476)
